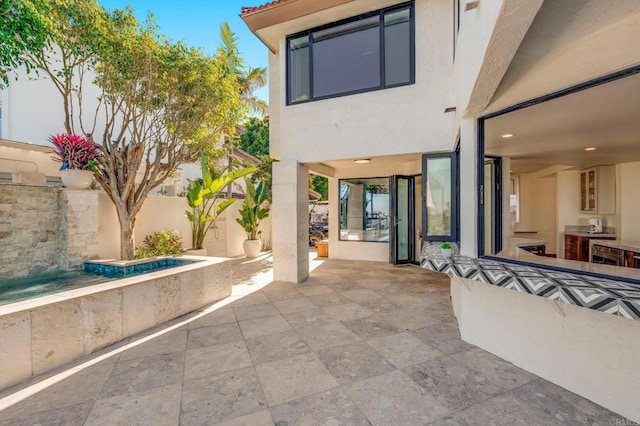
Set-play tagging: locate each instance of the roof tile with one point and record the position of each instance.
(245, 10)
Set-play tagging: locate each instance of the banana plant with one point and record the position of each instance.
(254, 208)
(205, 201)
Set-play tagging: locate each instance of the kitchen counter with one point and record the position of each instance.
(618, 244)
(588, 235)
(514, 252)
(514, 246)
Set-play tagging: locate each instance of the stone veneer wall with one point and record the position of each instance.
(43, 229)
(29, 230)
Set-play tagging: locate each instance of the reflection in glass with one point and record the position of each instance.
(403, 219)
(397, 47)
(364, 209)
(299, 89)
(438, 196)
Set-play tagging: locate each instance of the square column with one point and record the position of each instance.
(290, 218)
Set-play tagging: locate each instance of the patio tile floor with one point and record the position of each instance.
(359, 343)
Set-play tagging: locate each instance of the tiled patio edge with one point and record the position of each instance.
(609, 296)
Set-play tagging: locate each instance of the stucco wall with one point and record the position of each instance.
(587, 352)
(399, 120)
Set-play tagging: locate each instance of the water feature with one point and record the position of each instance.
(23, 288)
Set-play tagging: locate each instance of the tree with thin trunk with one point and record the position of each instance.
(161, 103)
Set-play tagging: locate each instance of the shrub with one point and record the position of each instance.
(446, 246)
(162, 243)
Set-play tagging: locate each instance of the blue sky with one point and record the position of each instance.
(197, 23)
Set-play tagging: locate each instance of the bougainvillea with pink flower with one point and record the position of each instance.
(75, 151)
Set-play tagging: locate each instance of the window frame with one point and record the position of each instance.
(380, 13)
(339, 208)
(454, 156)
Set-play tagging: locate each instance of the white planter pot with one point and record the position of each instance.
(252, 248)
(446, 252)
(76, 179)
(196, 252)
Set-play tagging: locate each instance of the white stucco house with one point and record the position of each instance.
(502, 126)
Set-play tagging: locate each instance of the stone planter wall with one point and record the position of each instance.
(43, 229)
(41, 334)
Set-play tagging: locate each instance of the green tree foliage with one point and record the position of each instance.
(319, 184)
(24, 28)
(162, 101)
(255, 139)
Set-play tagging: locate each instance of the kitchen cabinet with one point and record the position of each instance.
(598, 190)
(577, 247)
(631, 259)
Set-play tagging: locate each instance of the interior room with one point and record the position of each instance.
(566, 172)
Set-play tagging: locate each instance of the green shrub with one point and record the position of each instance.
(446, 246)
(162, 243)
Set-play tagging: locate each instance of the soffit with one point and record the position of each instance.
(558, 131)
(280, 11)
(331, 11)
(571, 41)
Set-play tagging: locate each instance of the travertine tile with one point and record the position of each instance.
(326, 335)
(144, 373)
(56, 335)
(327, 408)
(259, 418)
(217, 317)
(444, 336)
(393, 399)
(210, 336)
(15, 344)
(157, 406)
(296, 304)
(346, 312)
(356, 361)
(293, 378)
(102, 319)
(174, 341)
(221, 397)
(74, 415)
(264, 326)
(274, 347)
(403, 349)
(371, 327)
(249, 312)
(216, 359)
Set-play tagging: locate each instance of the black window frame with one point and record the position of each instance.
(380, 12)
(340, 207)
(454, 156)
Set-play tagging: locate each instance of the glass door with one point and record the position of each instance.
(402, 226)
(492, 205)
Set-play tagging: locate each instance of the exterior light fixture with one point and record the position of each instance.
(362, 161)
(591, 148)
(507, 135)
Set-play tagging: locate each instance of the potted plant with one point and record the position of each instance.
(445, 249)
(255, 208)
(78, 157)
(206, 204)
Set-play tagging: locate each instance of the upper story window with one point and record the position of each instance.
(367, 52)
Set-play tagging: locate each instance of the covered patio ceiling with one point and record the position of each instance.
(556, 132)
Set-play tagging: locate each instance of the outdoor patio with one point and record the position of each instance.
(358, 343)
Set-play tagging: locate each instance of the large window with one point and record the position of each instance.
(367, 52)
(364, 210)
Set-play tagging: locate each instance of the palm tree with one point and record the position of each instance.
(249, 79)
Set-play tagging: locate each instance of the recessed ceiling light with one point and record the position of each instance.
(507, 135)
(591, 148)
(362, 161)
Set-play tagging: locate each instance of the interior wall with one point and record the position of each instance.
(629, 201)
(538, 205)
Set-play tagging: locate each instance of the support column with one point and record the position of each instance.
(290, 218)
(79, 227)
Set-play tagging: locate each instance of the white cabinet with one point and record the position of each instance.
(598, 190)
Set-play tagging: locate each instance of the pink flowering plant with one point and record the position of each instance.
(75, 151)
